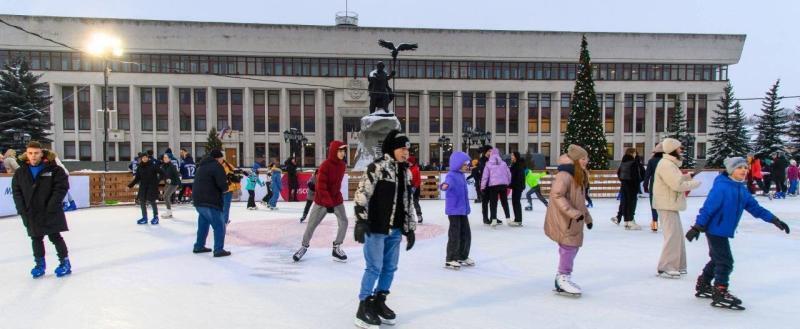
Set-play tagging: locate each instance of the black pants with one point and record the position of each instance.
(780, 184)
(629, 191)
(308, 207)
(494, 192)
(251, 199)
(654, 212)
(479, 198)
(720, 266)
(269, 194)
(484, 204)
(416, 202)
(588, 198)
(459, 238)
(143, 204)
(516, 204)
(37, 242)
(538, 191)
(766, 184)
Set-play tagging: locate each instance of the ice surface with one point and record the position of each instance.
(129, 276)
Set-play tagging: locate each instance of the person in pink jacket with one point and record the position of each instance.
(495, 180)
(793, 174)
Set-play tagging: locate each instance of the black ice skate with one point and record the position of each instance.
(366, 317)
(703, 288)
(722, 298)
(385, 314)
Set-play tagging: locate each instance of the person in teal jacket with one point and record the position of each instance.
(718, 218)
(532, 180)
(252, 181)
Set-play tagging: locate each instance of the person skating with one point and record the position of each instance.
(564, 221)
(148, 175)
(755, 178)
(669, 198)
(312, 186)
(38, 187)
(268, 182)
(630, 174)
(532, 180)
(486, 151)
(475, 179)
(718, 218)
(793, 174)
(328, 199)
(649, 177)
(518, 170)
(172, 180)
(294, 183)
(383, 215)
(779, 166)
(10, 162)
(459, 237)
(187, 169)
(416, 184)
(275, 186)
(494, 180)
(252, 181)
(210, 183)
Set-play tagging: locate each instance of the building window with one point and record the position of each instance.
(237, 110)
(222, 109)
(702, 113)
(199, 151)
(329, 117)
(147, 109)
(185, 108)
(161, 148)
(309, 153)
(69, 151)
(434, 113)
(273, 111)
(259, 111)
(546, 112)
(199, 109)
(609, 106)
(309, 111)
(85, 151)
(162, 109)
(84, 109)
(533, 113)
(641, 100)
(260, 151)
(124, 151)
(610, 149)
(447, 113)
(147, 146)
(111, 151)
(467, 111)
(701, 150)
(501, 102)
(123, 109)
(660, 113)
(628, 117)
(413, 113)
(513, 113)
(480, 112)
(274, 152)
(68, 109)
(433, 153)
(294, 109)
(566, 102)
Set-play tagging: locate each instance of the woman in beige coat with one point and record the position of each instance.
(669, 197)
(567, 214)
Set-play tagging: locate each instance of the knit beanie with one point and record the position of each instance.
(216, 154)
(575, 152)
(670, 144)
(732, 163)
(394, 140)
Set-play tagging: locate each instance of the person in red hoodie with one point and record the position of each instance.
(328, 200)
(416, 183)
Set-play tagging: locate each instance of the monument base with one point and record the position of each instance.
(374, 128)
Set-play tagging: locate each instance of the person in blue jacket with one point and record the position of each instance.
(718, 218)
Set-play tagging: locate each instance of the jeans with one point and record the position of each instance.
(793, 186)
(37, 242)
(210, 217)
(538, 191)
(459, 238)
(273, 199)
(720, 266)
(226, 206)
(381, 253)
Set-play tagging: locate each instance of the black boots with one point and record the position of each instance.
(366, 317)
(385, 314)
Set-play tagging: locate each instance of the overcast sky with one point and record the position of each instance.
(770, 52)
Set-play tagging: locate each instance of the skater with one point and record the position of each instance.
(268, 183)
(486, 151)
(187, 176)
(69, 203)
(38, 187)
(10, 161)
(312, 186)
(518, 169)
(234, 177)
(669, 198)
(457, 209)
(252, 181)
(494, 180)
(766, 170)
(718, 218)
(416, 183)
(171, 182)
(649, 177)
(630, 174)
(328, 199)
(383, 215)
(532, 180)
(563, 223)
(210, 183)
(793, 174)
(291, 171)
(148, 175)
(755, 178)
(275, 186)
(475, 178)
(779, 166)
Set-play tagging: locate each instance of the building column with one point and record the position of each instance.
(174, 127)
(619, 126)
(555, 127)
(458, 121)
(424, 127)
(247, 135)
(284, 119)
(321, 143)
(57, 118)
(211, 110)
(523, 121)
(96, 125)
(135, 102)
(649, 124)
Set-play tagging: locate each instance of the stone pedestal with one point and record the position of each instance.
(374, 128)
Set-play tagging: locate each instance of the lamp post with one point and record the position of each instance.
(293, 136)
(445, 145)
(104, 47)
(472, 137)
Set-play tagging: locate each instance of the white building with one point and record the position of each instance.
(180, 79)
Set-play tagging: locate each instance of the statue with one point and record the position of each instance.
(380, 94)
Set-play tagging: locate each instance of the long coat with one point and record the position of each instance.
(39, 202)
(147, 176)
(567, 205)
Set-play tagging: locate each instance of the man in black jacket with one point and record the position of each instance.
(39, 186)
(148, 175)
(294, 184)
(485, 152)
(209, 185)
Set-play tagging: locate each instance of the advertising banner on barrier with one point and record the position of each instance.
(78, 190)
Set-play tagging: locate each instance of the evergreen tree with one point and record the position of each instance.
(677, 130)
(585, 126)
(24, 104)
(794, 132)
(213, 143)
(729, 137)
(772, 124)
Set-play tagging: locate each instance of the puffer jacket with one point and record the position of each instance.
(532, 179)
(329, 178)
(567, 205)
(376, 195)
(457, 197)
(670, 185)
(724, 206)
(38, 199)
(496, 172)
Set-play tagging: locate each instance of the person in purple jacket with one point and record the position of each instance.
(459, 236)
(495, 180)
(718, 218)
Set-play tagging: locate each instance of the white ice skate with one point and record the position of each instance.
(632, 226)
(494, 223)
(565, 286)
(452, 265)
(669, 274)
(467, 262)
(167, 214)
(514, 223)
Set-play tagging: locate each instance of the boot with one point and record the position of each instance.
(154, 221)
(366, 317)
(564, 285)
(385, 314)
(703, 288)
(654, 226)
(64, 267)
(300, 253)
(724, 299)
(338, 253)
(167, 213)
(419, 218)
(142, 221)
(632, 226)
(39, 268)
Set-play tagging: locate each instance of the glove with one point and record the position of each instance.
(169, 181)
(781, 225)
(410, 238)
(360, 231)
(329, 209)
(589, 225)
(694, 232)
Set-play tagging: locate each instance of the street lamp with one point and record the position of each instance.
(474, 136)
(445, 145)
(104, 46)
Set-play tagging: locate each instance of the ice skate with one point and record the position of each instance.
(366, 317)
(452, 265)
(529, 208)
(514, 224)
(338, 254)
(722, 298)
(467, 262)
(565, 286)
(615, 220)
(703, 288)
(632, 226)
(64, 267)
(669, 274)
(494, 222)
(142, 221)
(385, 314)
(167, 214)
(154, 221)
(654, 226)
(39, 268)
(300, 253)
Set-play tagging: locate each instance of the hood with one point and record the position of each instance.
(413, 160)
(494, 157)
(188, 159)
(457, 159)
(47, 157)
(333, 147)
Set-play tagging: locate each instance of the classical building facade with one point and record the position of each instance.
(178, 80)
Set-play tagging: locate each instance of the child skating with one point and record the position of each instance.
(459, 236)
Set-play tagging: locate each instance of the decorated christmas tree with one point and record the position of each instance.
(585, 126)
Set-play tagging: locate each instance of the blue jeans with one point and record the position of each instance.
(210, 217)
(276, 193)
(720, 266)
(793, 187)
(381, 253)
(226, 206)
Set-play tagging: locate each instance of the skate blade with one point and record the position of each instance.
(339, 260)
(389, 322)
(363, 325)
(667, 276)
(702, 295)
(566, 294)
(728, 307)
(452, 268)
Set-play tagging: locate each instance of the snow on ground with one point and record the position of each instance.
(129, 276)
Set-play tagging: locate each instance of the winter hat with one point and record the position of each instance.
(658, 148)
(792, 162)
(216, 154)
(575, 153)
(669, 145)
(394, 140)
(732, 164)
